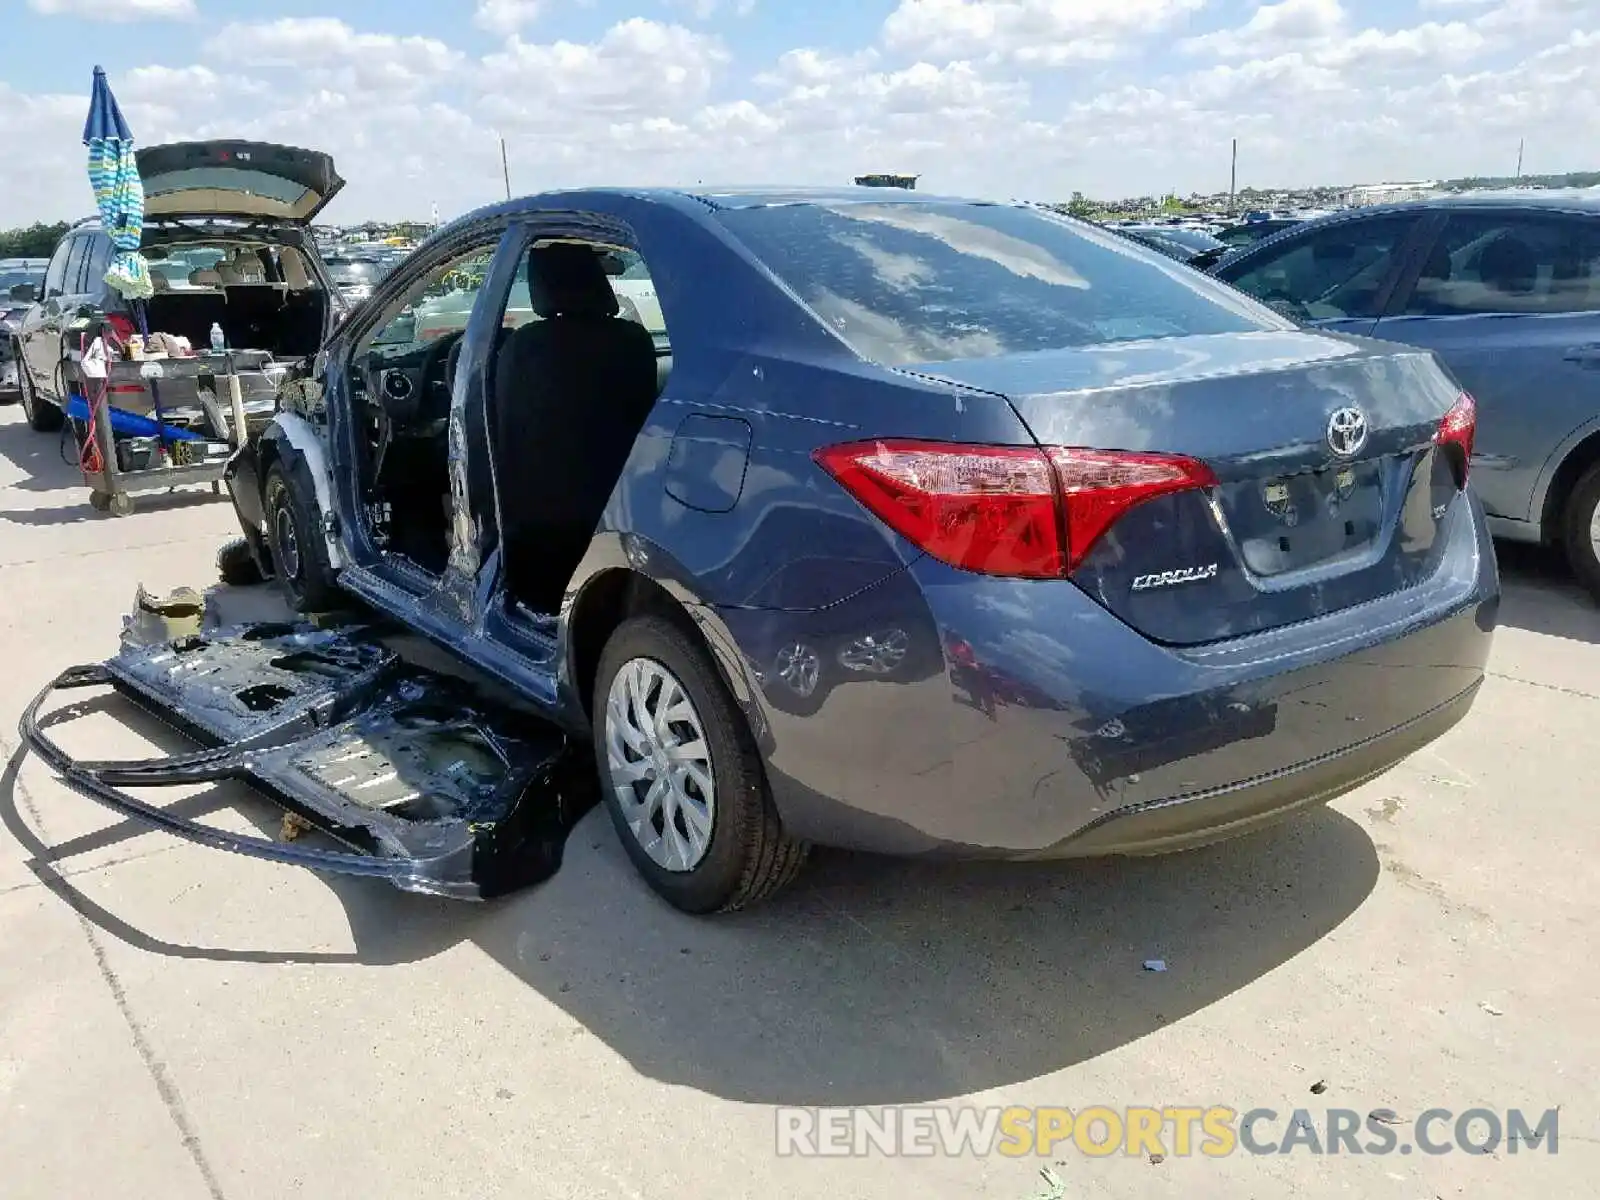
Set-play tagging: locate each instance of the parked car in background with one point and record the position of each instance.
(225, 237)
(1048, 490)
(1181, 244)
(354, 277)
(1505, 289)
(21, 281)
(1232, 240)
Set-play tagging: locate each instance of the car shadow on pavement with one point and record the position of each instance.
(880, 981)
(38, 456)
(1540, 595)
(870, 981)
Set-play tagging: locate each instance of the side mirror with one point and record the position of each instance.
(24, 293)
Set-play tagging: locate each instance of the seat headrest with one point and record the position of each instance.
(569, 281)
(294, 271)
(228, 274)
(159, 282)
(1509, 264)
(1438, 266)
(206, 277)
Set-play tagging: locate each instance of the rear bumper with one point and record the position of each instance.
(1032, 723)
(1183, 822)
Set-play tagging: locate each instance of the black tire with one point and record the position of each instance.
(748, 856)
(43, 417)
(295, 540)
(1578, 522)
(236, 563)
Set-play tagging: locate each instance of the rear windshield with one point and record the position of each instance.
(349, 271)
(10, 277)
(907, 283)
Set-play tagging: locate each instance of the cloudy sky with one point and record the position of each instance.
(1010, 98)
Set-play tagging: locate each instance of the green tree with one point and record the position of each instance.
(1081, 206)
(36, 241)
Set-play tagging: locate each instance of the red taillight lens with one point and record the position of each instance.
(1459, 427)
(1098, 486)
(1004, 510)
(983, 508)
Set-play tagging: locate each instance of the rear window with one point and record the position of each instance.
(907, 283)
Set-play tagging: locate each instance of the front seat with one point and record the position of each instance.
(572, 391)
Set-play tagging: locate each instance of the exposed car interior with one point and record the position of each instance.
(264, 296)
(572, 381)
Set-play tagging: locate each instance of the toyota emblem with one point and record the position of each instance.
(1347, 432)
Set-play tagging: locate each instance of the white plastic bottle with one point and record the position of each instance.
(219, 342)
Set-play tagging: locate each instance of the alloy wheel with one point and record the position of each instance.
(660, 764)
(288, 542)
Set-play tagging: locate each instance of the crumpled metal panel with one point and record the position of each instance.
(238, 685)
(435, 789)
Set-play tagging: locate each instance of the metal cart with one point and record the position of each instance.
(112, 488)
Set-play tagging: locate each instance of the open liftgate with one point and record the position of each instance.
(428, 787)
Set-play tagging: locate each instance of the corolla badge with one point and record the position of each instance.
(1143, 583)
(1347, 431)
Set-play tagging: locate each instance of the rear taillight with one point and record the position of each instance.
(1004, 510)
(1456, 431)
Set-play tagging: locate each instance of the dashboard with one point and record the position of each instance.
(410, 381)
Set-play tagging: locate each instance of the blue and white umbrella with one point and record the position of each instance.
(118, 191)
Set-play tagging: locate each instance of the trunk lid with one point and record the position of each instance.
(248, 180)
(1294, 528)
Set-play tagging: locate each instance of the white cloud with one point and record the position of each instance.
(704, 10)
(505, 16)
(637, 68)
(125, 10)
(1274, 27)
(952, 89)
(309, 42)
(1044, 32)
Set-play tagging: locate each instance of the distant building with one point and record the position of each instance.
(909, 182)
(1389, 193)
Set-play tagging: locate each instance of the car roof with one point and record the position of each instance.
(721, 198)
(1586, 200)
(1580, 201)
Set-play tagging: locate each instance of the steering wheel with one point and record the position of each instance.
(441, 359)
(451, 362)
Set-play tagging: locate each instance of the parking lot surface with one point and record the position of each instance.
(181, 1023)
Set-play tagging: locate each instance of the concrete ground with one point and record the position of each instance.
(181, 1023)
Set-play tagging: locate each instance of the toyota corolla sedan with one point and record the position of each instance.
(924, 526)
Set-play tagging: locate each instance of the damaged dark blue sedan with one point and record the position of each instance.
(890, 522)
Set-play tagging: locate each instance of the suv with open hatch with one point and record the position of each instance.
(227, 236)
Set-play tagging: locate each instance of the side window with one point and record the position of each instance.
(1328, 273)
(101, 253)
(439, 304)
(636, 293)
(55, 276)
(73, 285)
(1510, 263)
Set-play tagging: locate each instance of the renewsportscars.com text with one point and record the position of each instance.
(1211, 1132)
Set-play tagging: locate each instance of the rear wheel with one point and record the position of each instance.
(682, 779)
(42, 415)
(295, 538)
(1580, 528)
